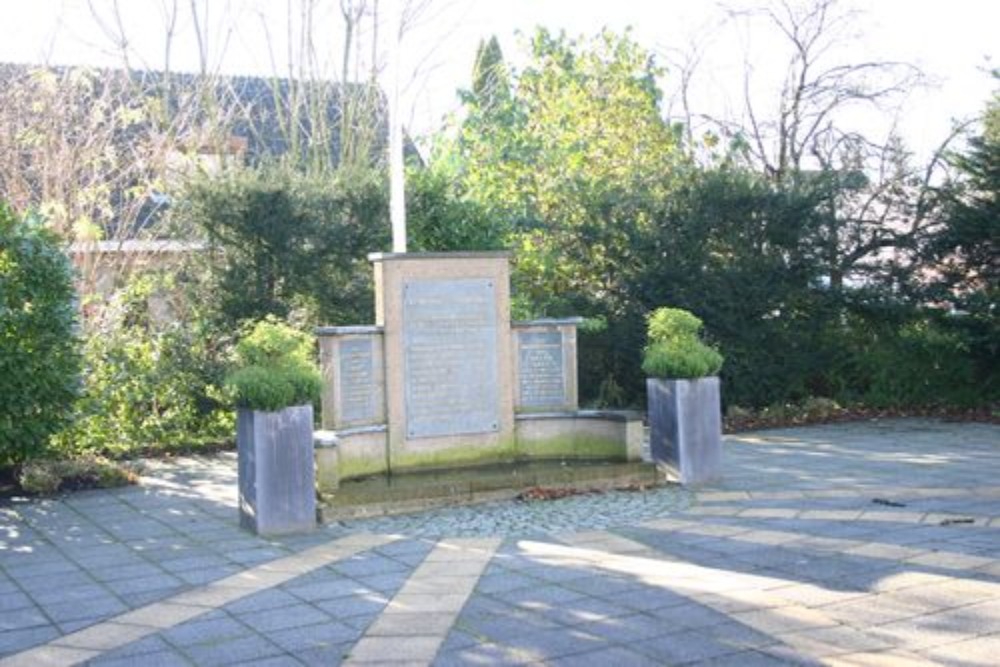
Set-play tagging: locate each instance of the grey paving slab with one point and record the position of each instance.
(302, 637)
(14, 641)
(234, 651)
(786, 561)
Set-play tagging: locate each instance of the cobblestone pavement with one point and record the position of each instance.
(875, 543)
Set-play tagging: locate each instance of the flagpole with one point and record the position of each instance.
(397, 195)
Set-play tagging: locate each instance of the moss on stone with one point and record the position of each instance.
(574, 447)
(460, 456)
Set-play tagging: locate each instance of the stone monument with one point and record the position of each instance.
(444, 379)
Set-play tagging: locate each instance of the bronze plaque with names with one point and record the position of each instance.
(450, 357)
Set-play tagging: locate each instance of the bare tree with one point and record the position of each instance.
(877, 203)
(817, 87)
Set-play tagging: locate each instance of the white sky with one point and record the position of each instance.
(951, 41)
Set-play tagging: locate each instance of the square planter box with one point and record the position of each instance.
(277, 476)
(685, 428)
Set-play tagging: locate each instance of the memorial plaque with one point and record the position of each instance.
(542, 379)
(450, 357)
(357, 381)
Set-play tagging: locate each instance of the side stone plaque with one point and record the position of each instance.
(542, 378)
(450, 357)
(357, 381)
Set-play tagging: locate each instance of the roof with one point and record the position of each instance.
(136, 246)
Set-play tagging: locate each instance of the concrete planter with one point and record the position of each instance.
(686, 428)
(276, 470)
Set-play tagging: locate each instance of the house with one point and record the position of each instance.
(100, 152)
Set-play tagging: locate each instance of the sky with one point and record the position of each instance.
(954, 43)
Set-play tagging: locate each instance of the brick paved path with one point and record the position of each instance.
(864, 544)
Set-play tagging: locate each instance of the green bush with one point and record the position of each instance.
(46, 477)
(280, 240)
(39, 350)
(922, 363)
(274, 368)
(149, 385)
(675, 349)
(439, 218)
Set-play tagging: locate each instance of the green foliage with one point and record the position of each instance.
(671, 325)
(274, 368)
(962, 255)
(921, 361)
(675, 349)
(738, 250)
(440, 217)
(572, 158)
(285, 242)
(149, 385)
(490, 80)
(39, 355)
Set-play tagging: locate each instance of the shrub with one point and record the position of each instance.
(675, 349)
(922, 364)
(46, 477)
(280, 239)
(274, 368)
(149, 385)
(39, 351)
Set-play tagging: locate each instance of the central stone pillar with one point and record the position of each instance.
(448, 357)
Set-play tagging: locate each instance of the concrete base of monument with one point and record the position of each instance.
(381, 495)
(580, 435)
(566, 436)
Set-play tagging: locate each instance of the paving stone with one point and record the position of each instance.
(327, 590)
(49, 654)
(506, 628)
(134, 650)
(541, 596)
(13, 641)
(458, 639)
(98, 608)
(273, 598)
(284, 617)
(13, 600)
(973, 651)
(201, 577)
(306, 637)
(113, 569)
(385, 583)
(649, 599)
(324, 656)
(625, 629)
(352, 607)
(483, 654)
(369, 565)
(510, 581)
(19, 619)
(211, 628)
(556, 643)
(232, 651)
(391, 649)
(144, 583)
(603, 657)
(688, 615)
(585, 610)
(54, 583)
(777, 657)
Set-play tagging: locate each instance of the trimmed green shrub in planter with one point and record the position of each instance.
(675, 349)
(274, 368)
(274, 384)
(683, 397)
